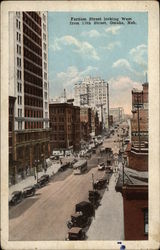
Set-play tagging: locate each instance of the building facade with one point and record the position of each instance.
(65, 126)
(93, 91)
(28, 83)
(134, 178)
(117, 113)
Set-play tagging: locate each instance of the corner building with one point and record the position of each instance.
(28, 84)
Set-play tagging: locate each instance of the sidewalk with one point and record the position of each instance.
(30, 180)
(108, 223)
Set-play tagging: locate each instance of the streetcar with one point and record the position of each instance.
(80, 166)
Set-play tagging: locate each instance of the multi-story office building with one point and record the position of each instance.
(65, 126)
(93, 91)
(28, 84)
(117, 113)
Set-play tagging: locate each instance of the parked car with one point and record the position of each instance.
(43, 180)
(101, 166)
(29, 191)
(100, 183)
(94, 197)
(16, 197)
(76, 233)
(85, 207)
(78, 219)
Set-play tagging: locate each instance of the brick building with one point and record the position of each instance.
(133, 181)
(28, 84)
(65, 126)
(85, 120)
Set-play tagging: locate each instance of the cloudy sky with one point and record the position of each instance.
(115, 52)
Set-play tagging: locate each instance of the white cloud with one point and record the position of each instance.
(139, 55)
(120, 92)
(91, 33)
(122, 63)
(72, 75)
(112, 45)
(84, 48)
(113, 29)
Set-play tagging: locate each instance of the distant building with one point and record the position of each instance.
(28, 86)
(117, 113)
(65, 126)
(139, 121)
(93, 91)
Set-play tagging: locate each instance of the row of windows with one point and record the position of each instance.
(33, 113)
(55, 119)
(35, 16)
(32, 79)
(57, 110)
(31, 67)
(32, 24)
(31, 56)
(32, 46)
(60, 137)
(30, 101)
(32, 125)
(33, 91)
(32, 35)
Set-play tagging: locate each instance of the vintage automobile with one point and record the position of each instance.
(64, 166)
(43, 180)
(16, 197)
(85, 207)
(29, 191)
(94, 151)
(78, 219)
(100, 183)
(101, 166)
(76, 233)
(94, 197)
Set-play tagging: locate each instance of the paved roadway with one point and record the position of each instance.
(44, 216)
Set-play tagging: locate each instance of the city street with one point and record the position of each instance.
(44, 216)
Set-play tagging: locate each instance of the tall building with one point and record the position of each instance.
(28, 84)
(93, 91)
(65, 126)
(117, 113)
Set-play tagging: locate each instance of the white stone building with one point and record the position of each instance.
(94, 92)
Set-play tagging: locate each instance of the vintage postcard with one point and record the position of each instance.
(80, 125)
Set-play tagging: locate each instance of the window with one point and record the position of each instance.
(19, 112)
(45, 56)
(45, 95)
(19, 74)
(46, 114)
(45, 75)
(18, 62)
(44, 36)
(19, 125)
(18, 49)
(44, 26)
(44, 17)
(44, 46)
(20, 100)
(46, 105)
(146, 220)
(45, 65)
(45, 85)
